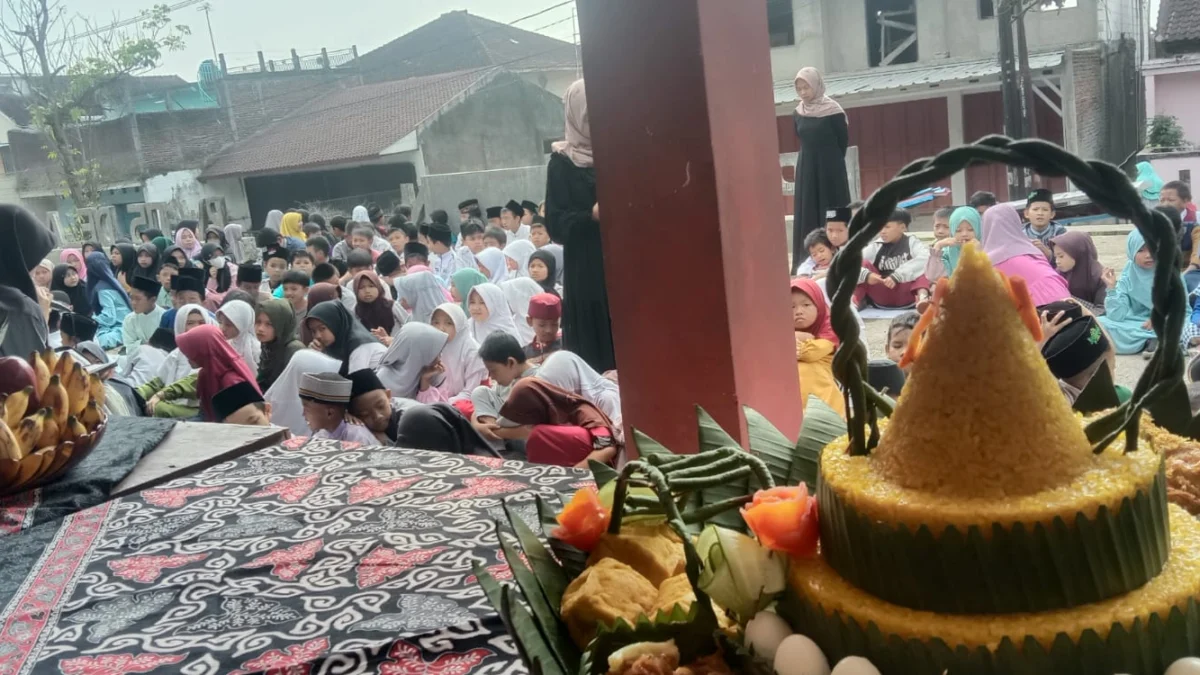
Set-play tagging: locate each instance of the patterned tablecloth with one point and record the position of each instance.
(312, 557)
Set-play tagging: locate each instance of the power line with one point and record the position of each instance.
(113, 26)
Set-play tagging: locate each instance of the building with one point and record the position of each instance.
(918, 76)
(480, 133)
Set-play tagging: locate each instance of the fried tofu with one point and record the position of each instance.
(655, 552)
(606, 591)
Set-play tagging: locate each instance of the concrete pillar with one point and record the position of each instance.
(1151, 96)
(697, 145)
(954, 114)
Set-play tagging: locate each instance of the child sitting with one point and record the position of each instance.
(494, 237)
(1129, 300)
(545, 317)
(962, 225)
(834, 236)
(820, 254)
(1078, 262)
(1040, 226)
(815, 343)
(893, 274)
(505, 362)
(899, 333)
(560, 428)
(460, 357)
(325, 397)
(941, 223)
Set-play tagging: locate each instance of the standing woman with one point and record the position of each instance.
(821, 182)
(24, 242)
(572, 217)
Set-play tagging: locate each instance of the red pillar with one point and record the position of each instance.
(687, 165)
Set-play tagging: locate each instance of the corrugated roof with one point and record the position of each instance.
(1178, 21)
(891, 79)
(345, 126)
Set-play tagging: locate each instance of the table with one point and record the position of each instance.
(312, 556)
(192, 446)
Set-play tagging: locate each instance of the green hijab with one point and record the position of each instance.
(277, 353)
(162, 243)
(464, 280)
(950, 253)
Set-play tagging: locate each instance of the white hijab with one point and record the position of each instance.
(500, 318)
(274, 218)
(284, 395)
(493, 259)
(246, 344)
(464, 368)
(566, 370)
(578, 143)
(176, 366)
(415, 347)
(519, 292)
(360, 214)
(233, 243)
(422, 292)
(519, 252)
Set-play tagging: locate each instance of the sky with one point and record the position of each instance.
(243, 27)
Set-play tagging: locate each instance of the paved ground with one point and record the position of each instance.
(1111, 249)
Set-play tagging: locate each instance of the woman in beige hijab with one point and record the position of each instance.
(821, 182)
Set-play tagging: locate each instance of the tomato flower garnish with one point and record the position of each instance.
(784, 519)
(583, 520)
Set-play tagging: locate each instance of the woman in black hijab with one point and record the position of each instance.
(343, 337)
(148, 236)
(24, 242)
(124, 263)
(147, 262)
(77, 295)
(212, 256)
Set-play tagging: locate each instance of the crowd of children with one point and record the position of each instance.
(412, 333)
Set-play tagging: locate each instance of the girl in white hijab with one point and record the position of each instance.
(284, 395)
(460, 356)
(274, 218)
(237, 317)
(567, 371)
(421, 293)
(517, 257)
(414, 353)
(519, 292)
(233, 243)
(495, 262)
(176, 366)
(489, 312)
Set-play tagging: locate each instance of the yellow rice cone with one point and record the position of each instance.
(981, 415)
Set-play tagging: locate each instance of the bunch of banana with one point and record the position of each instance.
(69, 406)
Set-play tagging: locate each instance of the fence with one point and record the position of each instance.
(324, 60)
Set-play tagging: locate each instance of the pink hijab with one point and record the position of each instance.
(578, 145)
(196, 245)
(69, 253)
(1004, 237)
(821, 105)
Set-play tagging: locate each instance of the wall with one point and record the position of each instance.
(553, 81)
(502, 126)
(1085, 72)
(183, 193)
(1169, 165)
(1178, 94)
(491, 188)
(809, 49)
(182, 139)
(110, 142)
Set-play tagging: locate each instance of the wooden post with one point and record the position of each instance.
(687, 166)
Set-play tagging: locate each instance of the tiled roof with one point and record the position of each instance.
(458, 41)
(346, 125)
(923, 77)
(1178, 21)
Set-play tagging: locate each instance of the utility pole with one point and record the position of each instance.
(1028, 104)
(207, 9)
(1010, 88)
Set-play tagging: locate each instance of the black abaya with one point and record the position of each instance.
(821, 182)
(570, 196)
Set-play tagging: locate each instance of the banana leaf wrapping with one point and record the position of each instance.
(1147, 648)
(1004, 570)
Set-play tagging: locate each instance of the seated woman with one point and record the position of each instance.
(1129, 300)
(1012, 253)
(568, 372)
(220, 366)
(1077, 261)
(965, 226)
(490, 313)
(236, 319)
(74, 258)
(172, 393)
(411, 368)
(147, 261)
(375, 308)
(560, 428)
(463, 369)
(407, 424)
(24, 309)
(815, 344)
(338, 334)
(124, 263)
(67, 280)
(108, 298)
(275, 329)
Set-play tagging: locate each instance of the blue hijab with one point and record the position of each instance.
(100, 278)
(1136, 282)
(1151, 184)
(950, 254)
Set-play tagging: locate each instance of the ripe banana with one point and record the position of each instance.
(96, 389)
(50, 429)
(51, 358)
(77, 390)
(28, 432)
(74, 429)
(9, 448)
(55, 398)
(15, 405)
(41, 373)
(65, 364)
(91, 416)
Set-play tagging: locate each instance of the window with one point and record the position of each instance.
(1185, 175)
(6, 159)
(1055, 5)
(891, 32)
(779, 23)
(987, 9)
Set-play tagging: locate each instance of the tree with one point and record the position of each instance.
(66, 70)
(1165, 133)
